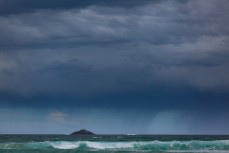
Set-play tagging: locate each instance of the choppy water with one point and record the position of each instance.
(113, 144)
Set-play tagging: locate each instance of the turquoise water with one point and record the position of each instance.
(113, 144)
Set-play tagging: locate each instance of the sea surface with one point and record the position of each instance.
(114, 144)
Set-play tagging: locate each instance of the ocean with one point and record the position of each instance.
(114, 144)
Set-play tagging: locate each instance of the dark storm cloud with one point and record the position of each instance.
(29, 6)
(168, 54)
(154, 100)
(161, 23)
(65, 68)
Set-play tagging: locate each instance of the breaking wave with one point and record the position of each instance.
(220, 145)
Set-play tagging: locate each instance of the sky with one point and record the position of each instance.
(114, 66)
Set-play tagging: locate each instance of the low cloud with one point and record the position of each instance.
(58, 116)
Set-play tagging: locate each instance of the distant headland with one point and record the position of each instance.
(83, 132)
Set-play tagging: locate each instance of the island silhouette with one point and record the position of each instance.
(83, 132)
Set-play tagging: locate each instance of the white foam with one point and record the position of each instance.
(110, 145)
(97, 137)
(64, 145)
(131, 134)
(93, 145)
(139, 145)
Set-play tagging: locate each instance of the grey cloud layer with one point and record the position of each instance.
(99, 49)
(161, 23)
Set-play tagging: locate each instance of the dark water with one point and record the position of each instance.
(113, 144)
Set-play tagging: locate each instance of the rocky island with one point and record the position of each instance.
(82, 132)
